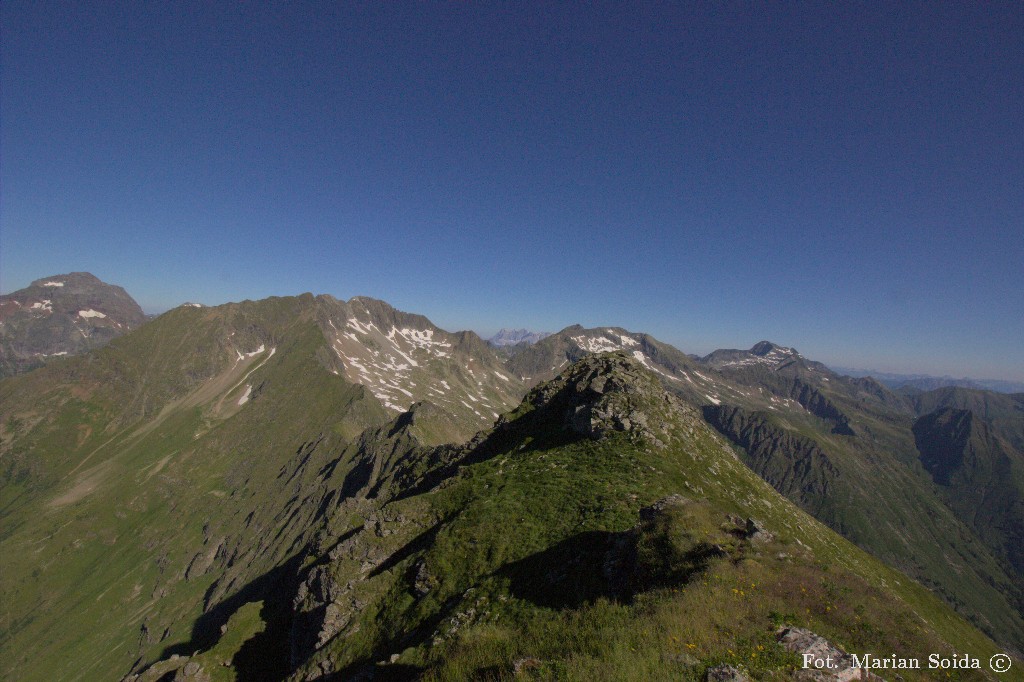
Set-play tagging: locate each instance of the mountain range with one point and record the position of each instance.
(511, 337)
(307, 488)
(927, 382)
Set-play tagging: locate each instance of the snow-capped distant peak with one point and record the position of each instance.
(763, 353)
(511, 337)
(613, 341)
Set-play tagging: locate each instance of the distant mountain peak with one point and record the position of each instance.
(763, 348)
(403, 358)
(512, 337)
(72, 278)
(62, 315)
(927, 382)
(761, 353)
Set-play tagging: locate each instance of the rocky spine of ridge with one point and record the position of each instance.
(599, 396)
(606, 393)
(62, 315)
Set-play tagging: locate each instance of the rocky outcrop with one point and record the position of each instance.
(192, 672)
(608, 393)
(840, 668)
(676, 539)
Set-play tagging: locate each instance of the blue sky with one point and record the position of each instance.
(846, 179)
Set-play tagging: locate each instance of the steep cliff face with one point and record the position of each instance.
(796, 466)
(857, 487)
(980, 474)
(815, 402)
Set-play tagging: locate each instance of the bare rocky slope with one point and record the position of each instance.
(59, 316)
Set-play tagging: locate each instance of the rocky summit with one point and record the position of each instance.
(62, 315)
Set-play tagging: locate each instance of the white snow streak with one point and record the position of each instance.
(90, 313)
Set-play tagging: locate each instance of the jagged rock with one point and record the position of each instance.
(756, 531)
(203, 561)
(726, 673)
(608, 393)
(802, 641)
(192, 672)
(523, 664)
(649, 513)
(423, 581)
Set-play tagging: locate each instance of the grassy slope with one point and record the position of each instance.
(513, 549)
(882, 499)
(109, 497)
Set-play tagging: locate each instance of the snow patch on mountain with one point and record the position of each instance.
(90, 313)
(403, 364)
(600, 344)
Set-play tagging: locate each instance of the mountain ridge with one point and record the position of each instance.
(254, 436)
(513, 337)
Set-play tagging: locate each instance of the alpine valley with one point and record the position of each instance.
(306, 488)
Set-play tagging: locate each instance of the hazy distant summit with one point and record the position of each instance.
(762, 353)
(512, 337)
(62, 315)
(927, 382)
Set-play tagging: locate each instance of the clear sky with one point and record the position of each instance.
(845, 178)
